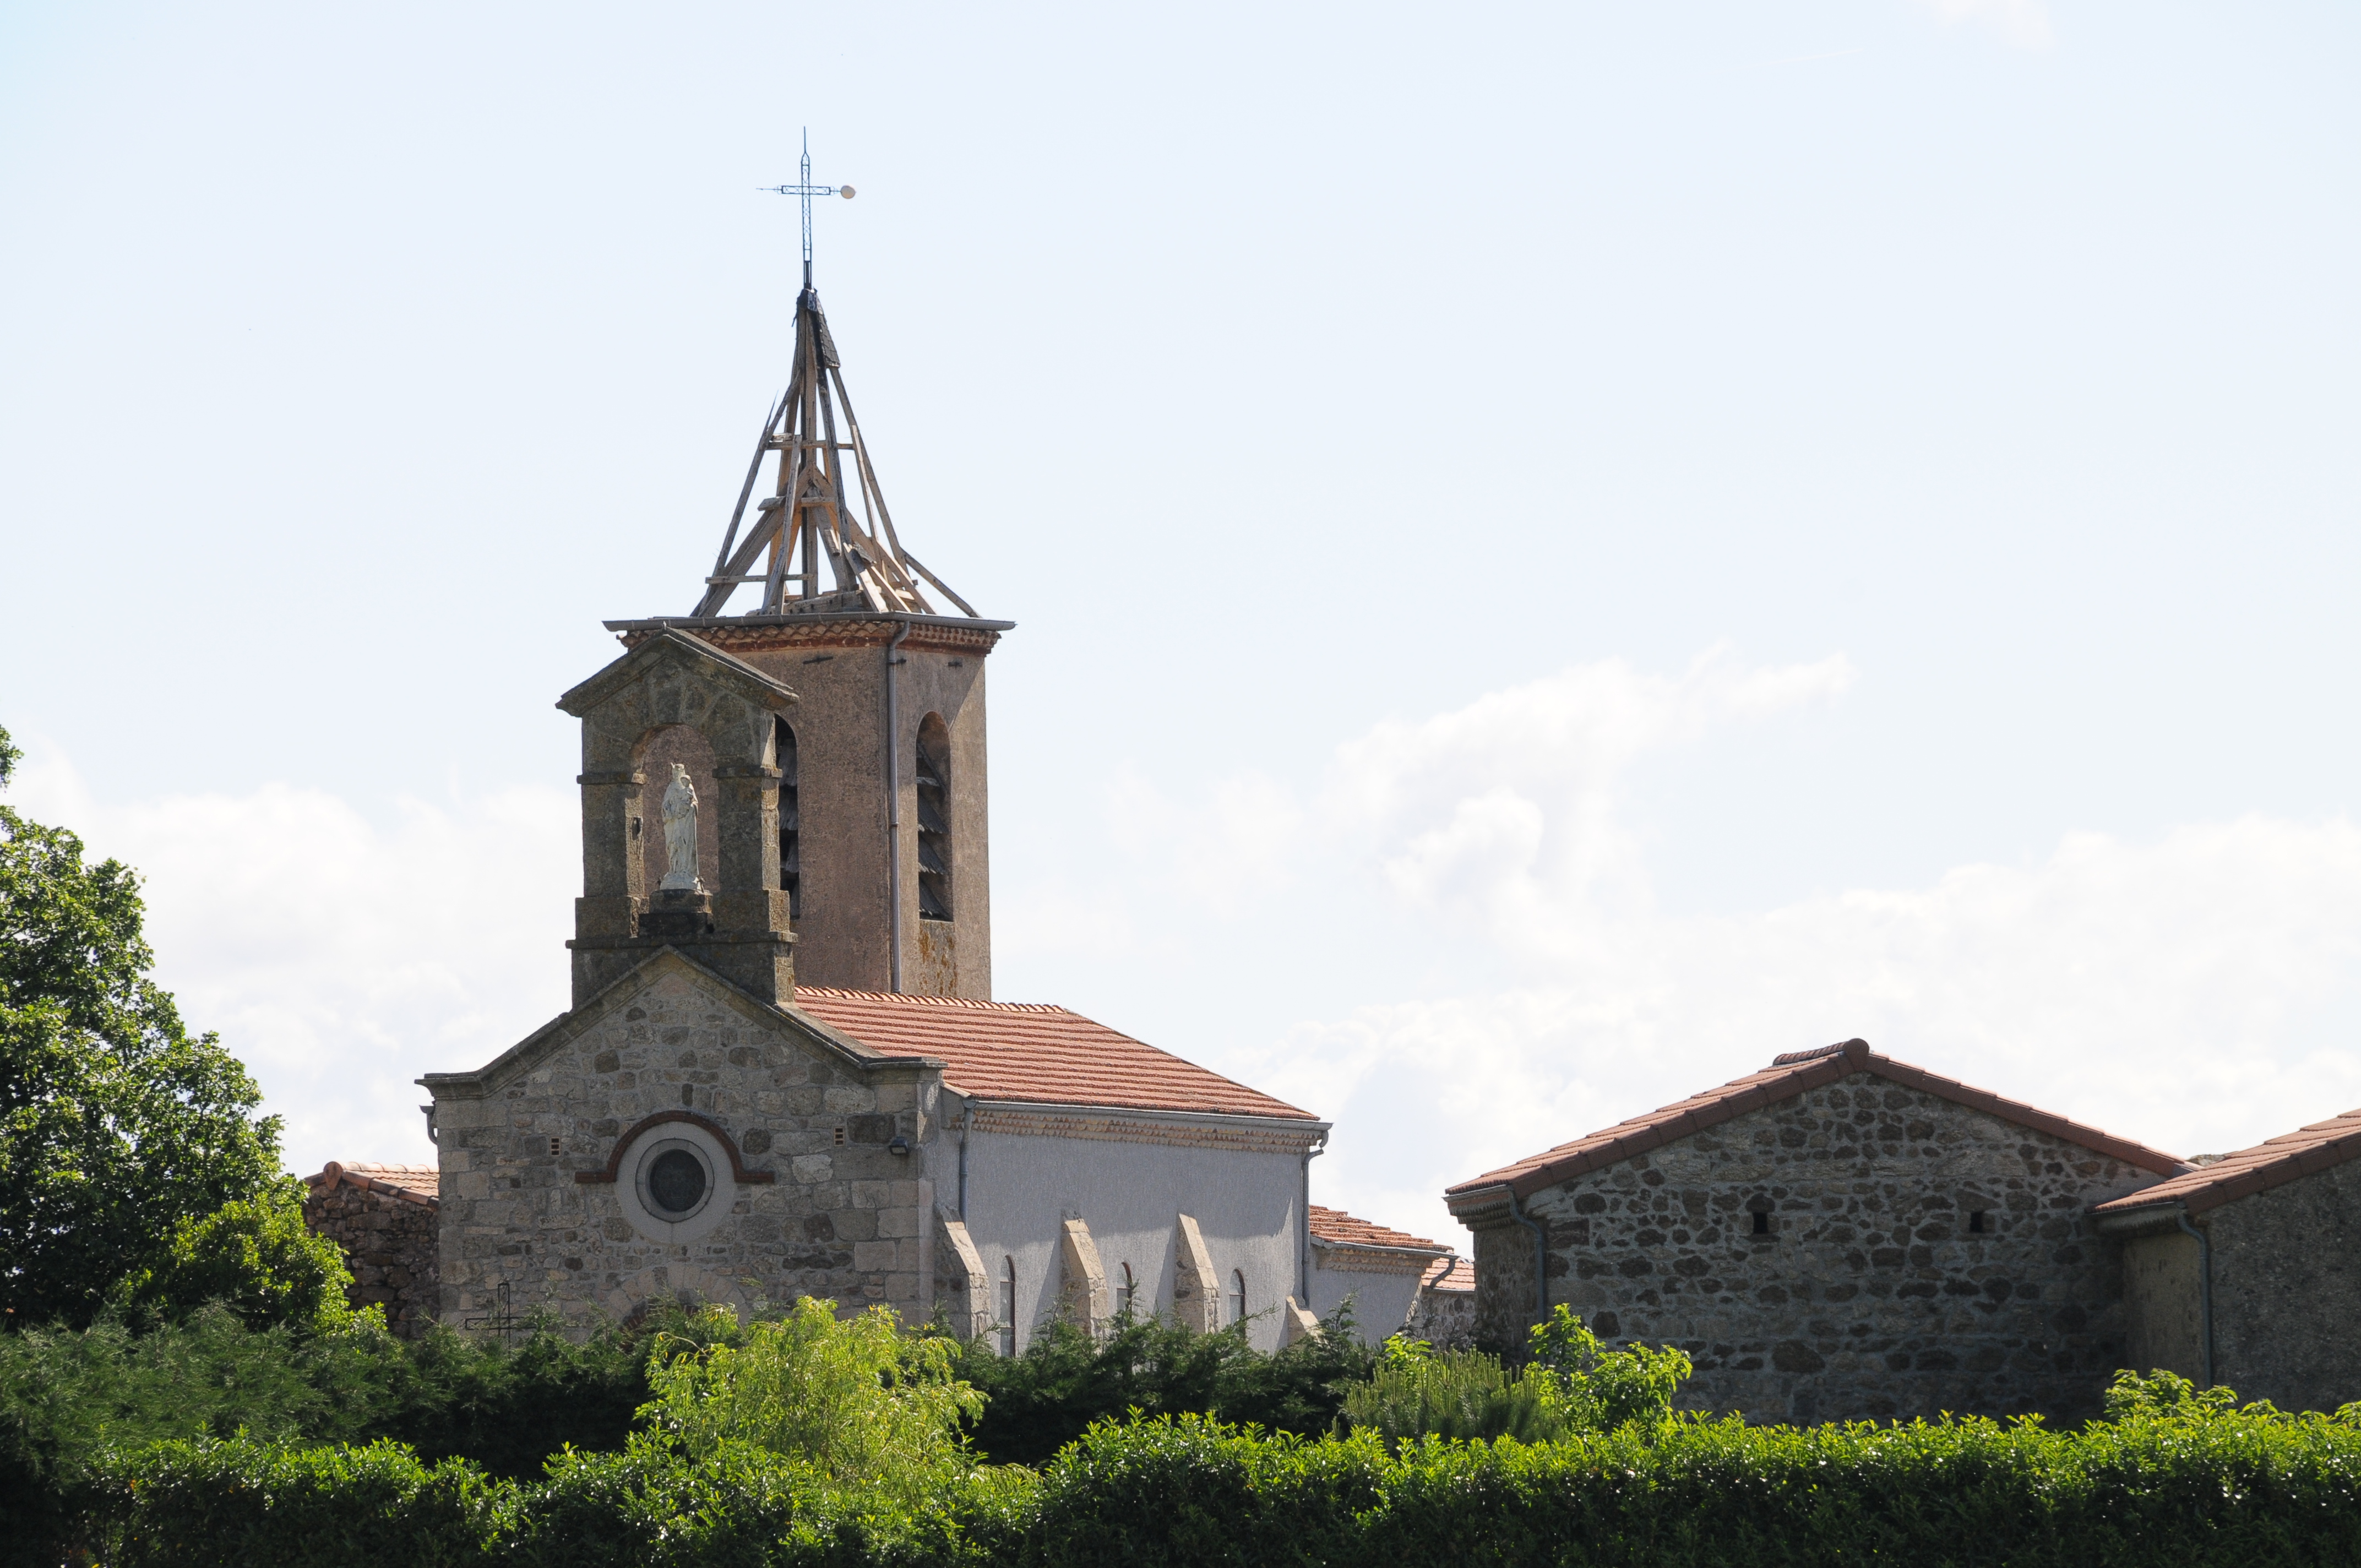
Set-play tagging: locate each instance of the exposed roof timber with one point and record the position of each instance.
(822, 541)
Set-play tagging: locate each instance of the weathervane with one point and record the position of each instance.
(806, 189)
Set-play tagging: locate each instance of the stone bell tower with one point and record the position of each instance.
(875, 844)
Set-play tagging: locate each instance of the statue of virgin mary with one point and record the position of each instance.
(680, 834)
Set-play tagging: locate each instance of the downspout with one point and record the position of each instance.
(1303, 1248)
(894, 809)
(2204, 1298)
(1541, 1257)
(966, 1117)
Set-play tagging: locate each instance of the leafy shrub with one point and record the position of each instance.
(67, 1397)
(1570, 1383)
(1039, 1402)
(510, 1408)
(245, 1505)
(1603, 1389)
(863, 1404)
(256, 1256)
(2168, 1395)
(2192, 1485)
(1459, 1393)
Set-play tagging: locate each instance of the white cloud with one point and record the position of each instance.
(1506, 812)
(2196, 992)
(2021, 23)
(337, 956)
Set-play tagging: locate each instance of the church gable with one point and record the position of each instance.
(676, 1135)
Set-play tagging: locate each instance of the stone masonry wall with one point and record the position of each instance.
(1870, 1295)
(2287, 1291)
(841, 1220)
(1445, 1319)
(388, 1243)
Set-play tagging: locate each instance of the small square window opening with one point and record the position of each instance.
(1979, 1222)
(1761, 1224)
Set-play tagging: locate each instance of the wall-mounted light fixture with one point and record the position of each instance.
(899, 1148)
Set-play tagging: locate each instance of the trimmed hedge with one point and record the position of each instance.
(2237, 1488)
(191, 1504)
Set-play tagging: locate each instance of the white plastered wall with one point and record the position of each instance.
(1382, 1297)
(1022, 1187)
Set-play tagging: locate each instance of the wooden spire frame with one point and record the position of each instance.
(810, 518)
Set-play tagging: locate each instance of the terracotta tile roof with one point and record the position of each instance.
(1028, 1051)
(1788, 1076)
(415, 1183)
(1337, 1227)
(2272, 1163)
(1450, 1274)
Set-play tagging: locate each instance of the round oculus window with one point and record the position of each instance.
(675, 1187)
(676, 1183)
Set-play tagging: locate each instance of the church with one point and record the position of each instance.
(784, 1073)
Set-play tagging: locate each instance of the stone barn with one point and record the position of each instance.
(384, 1217)
(2246, 1271)
(1840, 1236)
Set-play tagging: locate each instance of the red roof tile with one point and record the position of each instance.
(1450, 1274)
(2272, 1163)
(1028, 1051)
(1787, 1077)
(1346, 1230)
(418, 1183)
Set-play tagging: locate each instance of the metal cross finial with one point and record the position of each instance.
(806, 189)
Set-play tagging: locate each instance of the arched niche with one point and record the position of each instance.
(653, 759)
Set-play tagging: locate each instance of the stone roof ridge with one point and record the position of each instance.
(1791, 1075)
(2274, 1162)
(1789, 1058)
(913, 999)
(1339, 1229)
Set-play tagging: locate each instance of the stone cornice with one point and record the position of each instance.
(1266, 1134)
(1345, 1257)
(750, 634)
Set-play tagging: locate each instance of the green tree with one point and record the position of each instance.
(861, 1402)
(115, 1124)
(256, 1257)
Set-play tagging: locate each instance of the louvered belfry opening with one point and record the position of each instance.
(933, 777)
(791, 868)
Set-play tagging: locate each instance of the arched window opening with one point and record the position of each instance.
(1008, 1306)
(1123, 1287)
(1237, 1296)
(790, 824)
(934, 781)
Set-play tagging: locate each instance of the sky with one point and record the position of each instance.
(1558, 551)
